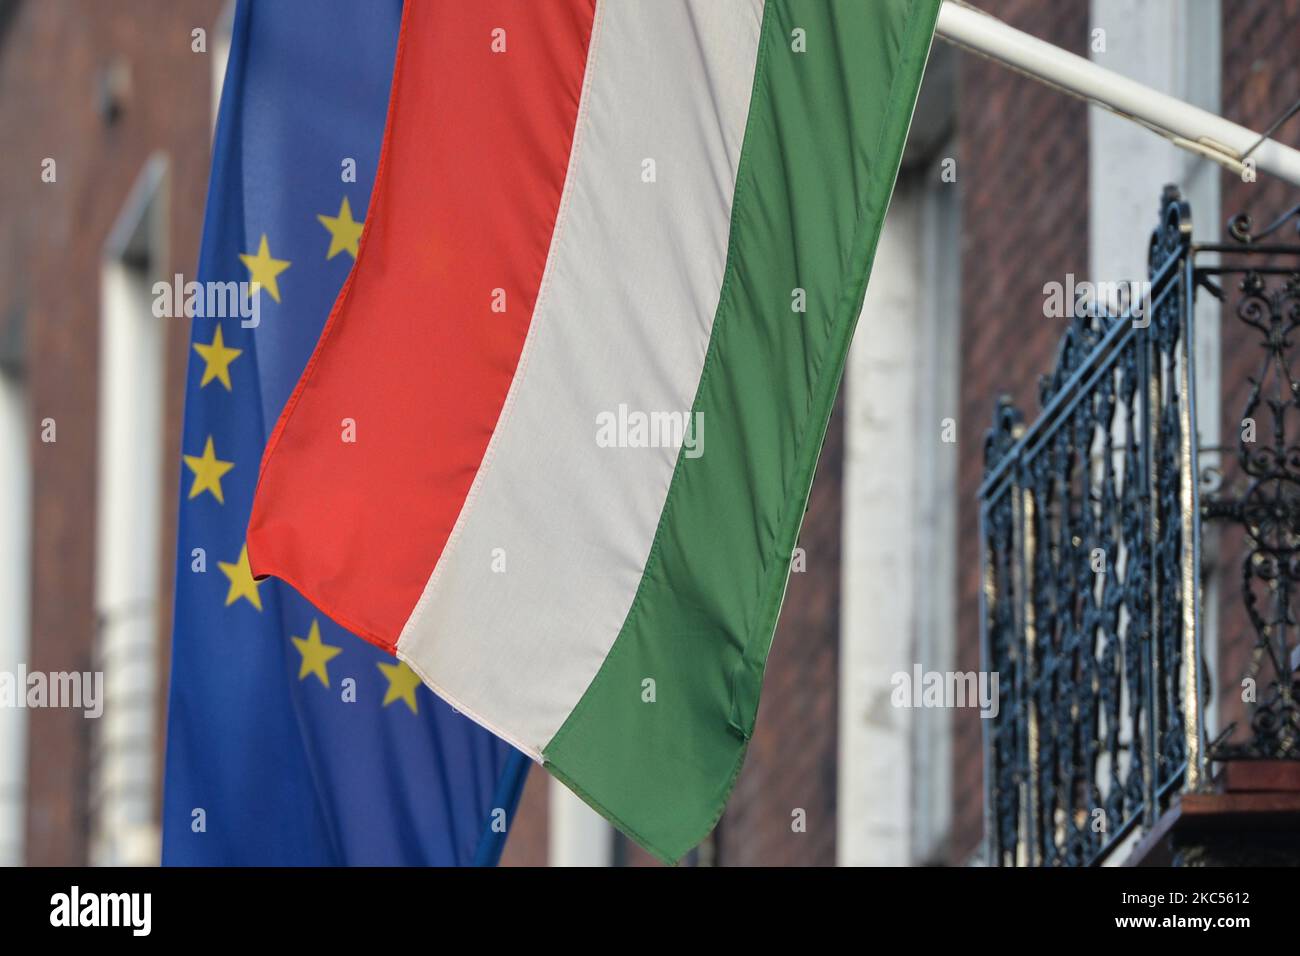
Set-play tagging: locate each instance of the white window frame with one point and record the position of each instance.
(128, 529)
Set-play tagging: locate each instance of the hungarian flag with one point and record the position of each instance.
(554, 444)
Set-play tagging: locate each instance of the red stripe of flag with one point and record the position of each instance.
(470, 177)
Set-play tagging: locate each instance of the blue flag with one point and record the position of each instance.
(291, 741)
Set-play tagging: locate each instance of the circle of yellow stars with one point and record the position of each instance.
(208, 469)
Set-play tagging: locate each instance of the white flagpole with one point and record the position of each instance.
(1187, 126)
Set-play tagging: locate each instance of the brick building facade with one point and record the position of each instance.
(100, 92)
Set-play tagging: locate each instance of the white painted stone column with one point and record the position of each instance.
(874, 786)
(579, 836)
(898, 547)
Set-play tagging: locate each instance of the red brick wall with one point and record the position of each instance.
(1023, 166)
(50, 247)
(1261, 79)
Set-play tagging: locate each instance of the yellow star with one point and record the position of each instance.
(315, 655)
(208, 469)
(264, 269)
(217, 359)
(345, 232)
(242, 584)
(402, 682)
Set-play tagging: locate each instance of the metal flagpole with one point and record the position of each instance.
(1187, 126)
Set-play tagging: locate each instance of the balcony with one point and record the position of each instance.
(1139, 588)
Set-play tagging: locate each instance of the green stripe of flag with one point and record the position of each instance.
(822, 146)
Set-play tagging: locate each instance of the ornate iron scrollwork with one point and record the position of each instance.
(1263, 498)
(1240, 226)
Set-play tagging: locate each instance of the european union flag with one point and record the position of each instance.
(291, 741)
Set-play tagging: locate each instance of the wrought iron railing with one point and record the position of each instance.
(1091, 521)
